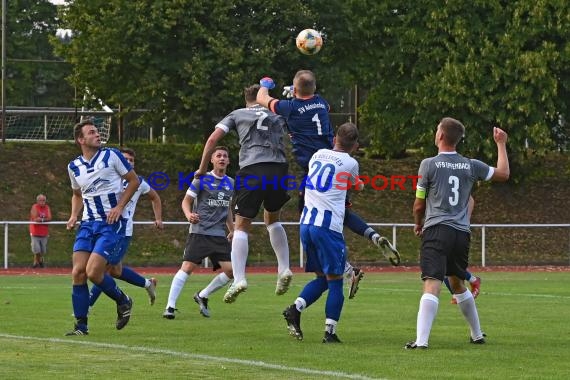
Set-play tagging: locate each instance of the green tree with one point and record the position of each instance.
(187, 62)
(33, 78)
(486, 62)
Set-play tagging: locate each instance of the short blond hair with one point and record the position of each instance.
(305, 83)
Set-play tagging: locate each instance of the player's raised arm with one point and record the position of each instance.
(502, 171)
(209, 148)
(263, 98)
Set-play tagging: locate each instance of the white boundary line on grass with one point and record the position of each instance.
(382, 289)
(401, 290)
(251, 363)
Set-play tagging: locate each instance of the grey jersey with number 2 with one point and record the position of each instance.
(447, 180)
(260, 134)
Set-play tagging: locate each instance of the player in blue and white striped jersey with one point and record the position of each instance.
(331, 173)
(123, 272)
(96, 179)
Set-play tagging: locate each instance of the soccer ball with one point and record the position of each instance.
(309, 41)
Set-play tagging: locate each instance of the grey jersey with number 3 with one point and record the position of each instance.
(260, 134)
(447, 180)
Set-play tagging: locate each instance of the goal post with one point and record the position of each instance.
(53, 124)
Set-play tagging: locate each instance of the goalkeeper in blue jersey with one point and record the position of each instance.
(310, 129)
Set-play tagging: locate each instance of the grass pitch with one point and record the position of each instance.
(525, 316)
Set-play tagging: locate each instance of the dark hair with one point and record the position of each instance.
(250, 93)
(452, 129)
(221, 147)
(128, 151)
(78, 128)
(305, 83)
(347, 136)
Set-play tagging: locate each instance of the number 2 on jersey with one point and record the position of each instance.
(262, 115)
(322, 171)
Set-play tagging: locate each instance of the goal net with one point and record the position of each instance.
(53, 124)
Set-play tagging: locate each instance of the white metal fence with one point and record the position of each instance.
(394, 226)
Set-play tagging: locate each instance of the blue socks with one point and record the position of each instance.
(80, 302)
(355, 223)
(110, 288)
(313, 290)
(132, 277)
(127, 275)
(335, 300)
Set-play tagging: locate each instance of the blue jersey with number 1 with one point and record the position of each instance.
(309, 126)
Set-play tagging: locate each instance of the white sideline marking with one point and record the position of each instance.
(251, 363)
(399, 290)
(19, 287)
(528, 295)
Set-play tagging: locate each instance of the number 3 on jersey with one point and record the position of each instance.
(454, 182)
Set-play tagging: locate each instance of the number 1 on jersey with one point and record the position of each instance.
(318, 122)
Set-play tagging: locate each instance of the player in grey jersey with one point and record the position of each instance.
(207, 206)
(441, 219)
(263, 171)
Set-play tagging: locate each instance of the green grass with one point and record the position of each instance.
(525, 316)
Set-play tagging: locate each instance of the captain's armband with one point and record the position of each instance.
(420, 193)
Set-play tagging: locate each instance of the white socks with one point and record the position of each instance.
(240, 247)
(278, 239)
(300, 304)
(176, 287)
(468, 308)
(217, 282)
(347, 275)
(426, 315)
(330, 325)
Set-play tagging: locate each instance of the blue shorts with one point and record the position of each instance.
(325, 250)
(101, 238)
(124, 246)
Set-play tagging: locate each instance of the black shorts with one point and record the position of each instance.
(444, 251)
(265, 183)
(216, 248)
